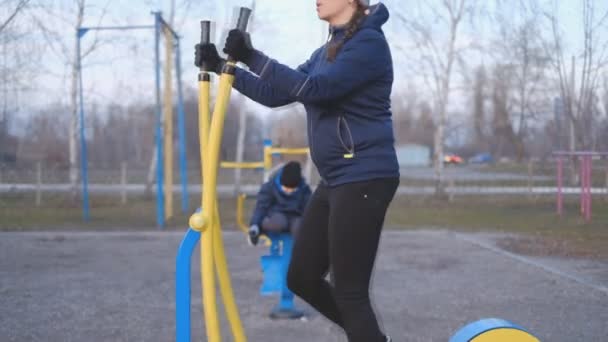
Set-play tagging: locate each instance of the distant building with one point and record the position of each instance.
(413, 155)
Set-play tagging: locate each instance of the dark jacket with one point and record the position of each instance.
(272, 199)
(350, 129)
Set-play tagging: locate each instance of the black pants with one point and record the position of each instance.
(340, 231)
(281, 223)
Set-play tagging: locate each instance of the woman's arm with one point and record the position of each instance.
(262, 91)
(259, 90)
(364, 58)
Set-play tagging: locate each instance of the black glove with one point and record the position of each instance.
(253, 235)
(238, 46)
(206, 54)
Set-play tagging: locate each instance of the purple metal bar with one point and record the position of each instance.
(586, 168)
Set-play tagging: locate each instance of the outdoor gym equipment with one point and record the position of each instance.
(205, 223)
(164, 121)
(266, 163)
(493, 330)
(585, 165)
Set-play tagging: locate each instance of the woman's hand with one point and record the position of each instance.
(238, 46)
(206, 55)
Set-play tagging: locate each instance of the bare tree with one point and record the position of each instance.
(13, 9)
(519, 48)
(17, 69)
(479, 107)
(437, 57)
(577, 100)
(502, 127)
(53, 21)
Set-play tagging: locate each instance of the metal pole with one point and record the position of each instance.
(267, 159)
(123, 182)
(83, 143)
(168, 121)
(38, 184)
(530, 176)
(560, 179)
(160, 205)
(582, 183)
(589, 186)
(606, 183)
(183, 163)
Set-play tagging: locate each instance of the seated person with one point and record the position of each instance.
(280, 203)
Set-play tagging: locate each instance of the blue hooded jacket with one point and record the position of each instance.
(350, 129)
(272, 199)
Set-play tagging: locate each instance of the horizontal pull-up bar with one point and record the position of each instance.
(244, 165)
(278, 150)
(83, 30)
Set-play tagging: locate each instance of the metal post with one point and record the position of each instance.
(160, 205)
(38, 184)
(560, 179)
(123, 182)
(83, 144)
(181, 122)
(582, 183)
(606, 183)
(589, 187)
(168, 121)
(267, 159)
(182, 286)
(530, 176)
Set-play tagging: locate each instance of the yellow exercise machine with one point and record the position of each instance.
(205, 224)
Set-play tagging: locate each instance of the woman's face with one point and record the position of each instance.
(329, 9)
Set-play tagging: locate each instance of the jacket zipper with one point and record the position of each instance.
(351, 149)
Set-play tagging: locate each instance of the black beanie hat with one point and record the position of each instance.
(291, 175)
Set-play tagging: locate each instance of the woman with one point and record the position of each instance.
(345, 87)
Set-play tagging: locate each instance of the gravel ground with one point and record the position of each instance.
(120, 287)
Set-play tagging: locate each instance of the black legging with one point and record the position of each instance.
(340, 231)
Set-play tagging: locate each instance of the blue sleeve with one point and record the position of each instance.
(263, 204)
(362, 59)
(261, 91)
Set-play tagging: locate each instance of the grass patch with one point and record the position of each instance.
(535, 220)
(18, 213)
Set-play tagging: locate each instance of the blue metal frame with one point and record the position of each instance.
(83, 142)
(160, 205)
(160, 196)
(475, 329)
(182, 285)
